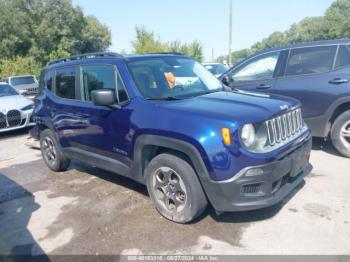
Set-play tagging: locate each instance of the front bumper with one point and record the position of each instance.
(261, 186)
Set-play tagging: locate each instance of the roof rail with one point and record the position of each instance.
(86, 55)
(165, 53)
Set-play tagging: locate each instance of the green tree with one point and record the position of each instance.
(337, 20)
(19, 66)
(146, 42)
(39, 28)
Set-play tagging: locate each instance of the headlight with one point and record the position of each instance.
(248, 135)
(28, 107)
(254, 137)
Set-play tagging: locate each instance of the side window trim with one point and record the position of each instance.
(335, 57)
(118, 75)
(281, 64)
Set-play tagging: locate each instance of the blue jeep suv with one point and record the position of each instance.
(163, 120)
(315, 73)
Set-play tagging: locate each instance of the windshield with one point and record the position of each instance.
(7, 90)
(176, 77)
(216, 69)
(27, 80)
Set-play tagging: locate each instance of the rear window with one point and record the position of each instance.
(27, 80)
(343, 57)
(311, 60)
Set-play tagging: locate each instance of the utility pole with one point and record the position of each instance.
(212, 55)
(230, 36)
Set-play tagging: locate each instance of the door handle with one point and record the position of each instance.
(339, 81)
(263, 86)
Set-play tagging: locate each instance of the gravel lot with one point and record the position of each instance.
(89, 211)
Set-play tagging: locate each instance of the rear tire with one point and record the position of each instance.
(340, 134)
(51, 152)
(175, 189)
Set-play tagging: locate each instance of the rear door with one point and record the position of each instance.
(63, 105)
(314, 75)
(257, 73)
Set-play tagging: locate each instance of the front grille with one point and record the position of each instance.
(284, 127)
(31, 91)
(13, 118)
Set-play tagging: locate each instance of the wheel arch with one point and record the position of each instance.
(148, 146)
(339, 110)
(322, 125)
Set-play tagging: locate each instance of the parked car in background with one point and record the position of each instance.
(25, 85)
(216, 69)
(166, 122)
(15, 110)
(316, 73)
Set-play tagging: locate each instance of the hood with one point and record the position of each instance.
(23, 87)
(241, 107)
(13, 102)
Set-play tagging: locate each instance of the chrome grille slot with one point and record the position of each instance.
(13, 118)
(284, 127)
(3, 123)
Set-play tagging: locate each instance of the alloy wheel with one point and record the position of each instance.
(345, 134)
(49, 151)
(169, 189)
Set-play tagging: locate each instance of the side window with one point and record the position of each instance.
(48, 80)
(65, 82)
(94, 77)
(310, 60)
(343, 57)
(260, 68)
(122, 95)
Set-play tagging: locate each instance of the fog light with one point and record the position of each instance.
(254, 172)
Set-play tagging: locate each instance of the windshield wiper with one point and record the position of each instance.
(167, 98)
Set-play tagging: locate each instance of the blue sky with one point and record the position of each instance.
(203, 20)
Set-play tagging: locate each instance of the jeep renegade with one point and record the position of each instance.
(165, 121)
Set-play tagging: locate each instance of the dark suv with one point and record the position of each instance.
(316, 73)
(165, 121)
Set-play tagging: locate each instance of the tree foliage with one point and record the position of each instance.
(46, 29)
(146, 42)
(333, 25)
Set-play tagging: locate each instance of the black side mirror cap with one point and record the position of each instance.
(104, 97)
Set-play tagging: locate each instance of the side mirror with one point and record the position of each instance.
(225, 79)
(104, 97)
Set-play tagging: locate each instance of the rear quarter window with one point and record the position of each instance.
(343, 57)
(65, 82)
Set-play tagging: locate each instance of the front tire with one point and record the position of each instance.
(174, 188)
(51, 152)
(340, 134)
